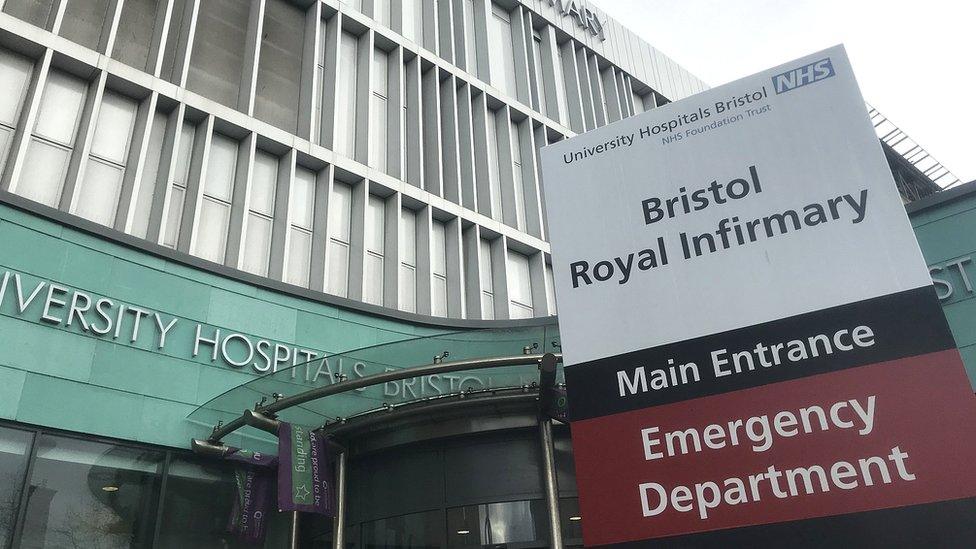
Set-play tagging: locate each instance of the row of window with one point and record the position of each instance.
(58, 491)
(563, 80)
(223, 199)
(164, 171)
(62, 491)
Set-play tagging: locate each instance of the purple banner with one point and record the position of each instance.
(304, 473)
(248, 457)
(250, 513)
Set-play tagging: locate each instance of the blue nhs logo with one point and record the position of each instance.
(801, 76)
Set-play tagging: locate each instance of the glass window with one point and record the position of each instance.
(260, 217)
(60, 108)
(84, 21)
(135, 32)
(494, 524)
(408, 261)
(197, 505)
(551, 293)
(98, 194)
(302, 206)
(150, 174)
(571, 521)
(177, 193)
(15, 72)
(413, 19)
(414, 531)
(214, 220)
(340, 218)
(487, 288)
(90, 494)
(54, 134)
(470, 40)
(381, 12)
(375, 235)
(14, 446)
(494, 181)
(438, 268)
(35, 12)
(378, 124)
(501, 51)
(114, 127)
(345, 118)
(540, 77)
(280, 66)
(217, 58)
(517, 175)
(519, 285)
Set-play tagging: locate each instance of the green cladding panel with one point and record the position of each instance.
(946, 230)
(57, 371)
(141, 386)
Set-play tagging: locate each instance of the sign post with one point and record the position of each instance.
(747, 321)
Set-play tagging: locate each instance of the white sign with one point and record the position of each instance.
(740, 201)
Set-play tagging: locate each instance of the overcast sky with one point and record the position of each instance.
(915, 60)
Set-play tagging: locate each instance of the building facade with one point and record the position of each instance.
(208, 203)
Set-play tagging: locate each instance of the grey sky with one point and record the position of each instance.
(914, 60)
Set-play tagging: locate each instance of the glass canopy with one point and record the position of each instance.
(445, 349)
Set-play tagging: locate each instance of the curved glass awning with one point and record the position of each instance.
(474, 362)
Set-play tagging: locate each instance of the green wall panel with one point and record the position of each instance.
(65, 377)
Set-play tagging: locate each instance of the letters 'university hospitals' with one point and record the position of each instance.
(755, 351)
(327, 219)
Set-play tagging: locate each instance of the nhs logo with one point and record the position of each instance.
(801, 76)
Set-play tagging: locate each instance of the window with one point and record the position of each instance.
(150, 174)
(197, 502)
(301, 219)
(470, 39)
(53, 139)
(15, 72)
(413, 20)
(551, 293)
(408, 261)
(540, 77)
(135, 32)
(438, 268)
(519, 286)
(90, 494)
(256, 250)
(217, 58)
(340, 220)
(345, 118)
(211, 229)
(84, 22)
(413, 531)
(487, 286)
(177, 191)
(375, 235)
(14, 446)
(98, 193)
(517, 175)
(501, 51)
(498, 524)
(494, 175)
(381, 12)
(379, 129)
(280, 66)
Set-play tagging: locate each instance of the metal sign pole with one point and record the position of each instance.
(339, 526)
(552, 488)
(293, 539)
